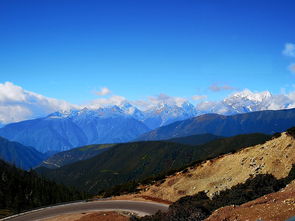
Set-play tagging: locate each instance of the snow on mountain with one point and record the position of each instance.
(246, 101)
(164, 114)
(166, 110)
(67, 129)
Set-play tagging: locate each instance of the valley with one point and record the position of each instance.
(147, 110)
(198, 169)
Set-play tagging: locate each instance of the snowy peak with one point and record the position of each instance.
(251, 96)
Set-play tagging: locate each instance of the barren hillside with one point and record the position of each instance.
(275, 207)
(274, 157)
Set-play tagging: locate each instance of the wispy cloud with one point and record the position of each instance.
(289, 50)
(199, 97)
(103, 91)
(292, 68)
(102, 102)
(153, 101)
(216, 88)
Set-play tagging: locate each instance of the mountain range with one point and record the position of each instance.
(126, 122)
(268, 122)
(63, 131)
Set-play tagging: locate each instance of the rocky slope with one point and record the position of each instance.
(274, 157)
(276, 206)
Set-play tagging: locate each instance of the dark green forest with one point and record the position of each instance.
(23, 190)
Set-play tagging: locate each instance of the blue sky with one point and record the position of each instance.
(67, 49)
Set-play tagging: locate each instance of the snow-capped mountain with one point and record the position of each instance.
(246, 101)
(64, 130)
(125, 121)
(164, 114)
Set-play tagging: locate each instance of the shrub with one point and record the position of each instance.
(291, 132)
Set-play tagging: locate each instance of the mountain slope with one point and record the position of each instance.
(21, 190)
(21, 156)
(63, 131)
(135, 161)
(45, 134)
(274, 206)
(76, 154)
(274, 157)
(85, 152)
(267, 122)
(195, 139)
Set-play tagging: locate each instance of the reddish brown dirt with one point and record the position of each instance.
(91, 216)
(104, 216)
(136, 197)
(277, 206)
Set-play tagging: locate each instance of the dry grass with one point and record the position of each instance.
(274, 157)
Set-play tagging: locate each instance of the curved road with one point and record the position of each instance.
(142, 208)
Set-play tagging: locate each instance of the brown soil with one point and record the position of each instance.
(104, 216)
(137, 197)
(91, 216)
(277, 206)
(274, 157)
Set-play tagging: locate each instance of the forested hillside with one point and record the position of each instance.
(22, 190)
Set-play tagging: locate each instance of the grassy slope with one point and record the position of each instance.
(135, 161)
(195, 139)
(74, 155)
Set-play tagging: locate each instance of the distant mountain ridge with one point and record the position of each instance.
(21, 156)
(63, 131)
(126, 122)
(267, 122)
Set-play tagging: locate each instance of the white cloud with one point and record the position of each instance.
(103, 91)
(289, 50)
(199, 97)
(17, 104)
(292, 68)
(154, 101)
(217, 88)
(103, 102)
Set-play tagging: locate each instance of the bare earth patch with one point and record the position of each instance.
(277, 206)
(91, 216)
(136, 197)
